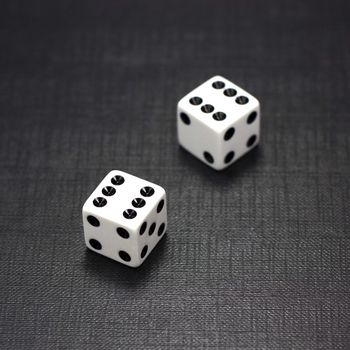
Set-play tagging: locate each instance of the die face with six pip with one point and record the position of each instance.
(124, 218)
(218, 122)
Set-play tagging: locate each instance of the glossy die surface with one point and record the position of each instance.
(124, 218)
(218, 122)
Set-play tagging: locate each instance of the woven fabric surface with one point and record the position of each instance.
(256, 256)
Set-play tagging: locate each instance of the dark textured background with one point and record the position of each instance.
(257, 256)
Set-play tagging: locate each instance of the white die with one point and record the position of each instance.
(218, 122)
(124, 218)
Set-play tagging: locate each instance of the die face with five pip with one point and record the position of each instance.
(124, 218)
(218, 122)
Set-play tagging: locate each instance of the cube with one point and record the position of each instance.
(218, 122)
(124, 218)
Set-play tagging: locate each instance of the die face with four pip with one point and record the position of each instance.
(218, 122)
(124, 218)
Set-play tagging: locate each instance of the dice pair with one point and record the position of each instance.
(125, 217)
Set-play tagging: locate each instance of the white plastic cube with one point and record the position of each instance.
(218, 122)
(124, 218)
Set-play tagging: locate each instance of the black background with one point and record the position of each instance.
(257, 256)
